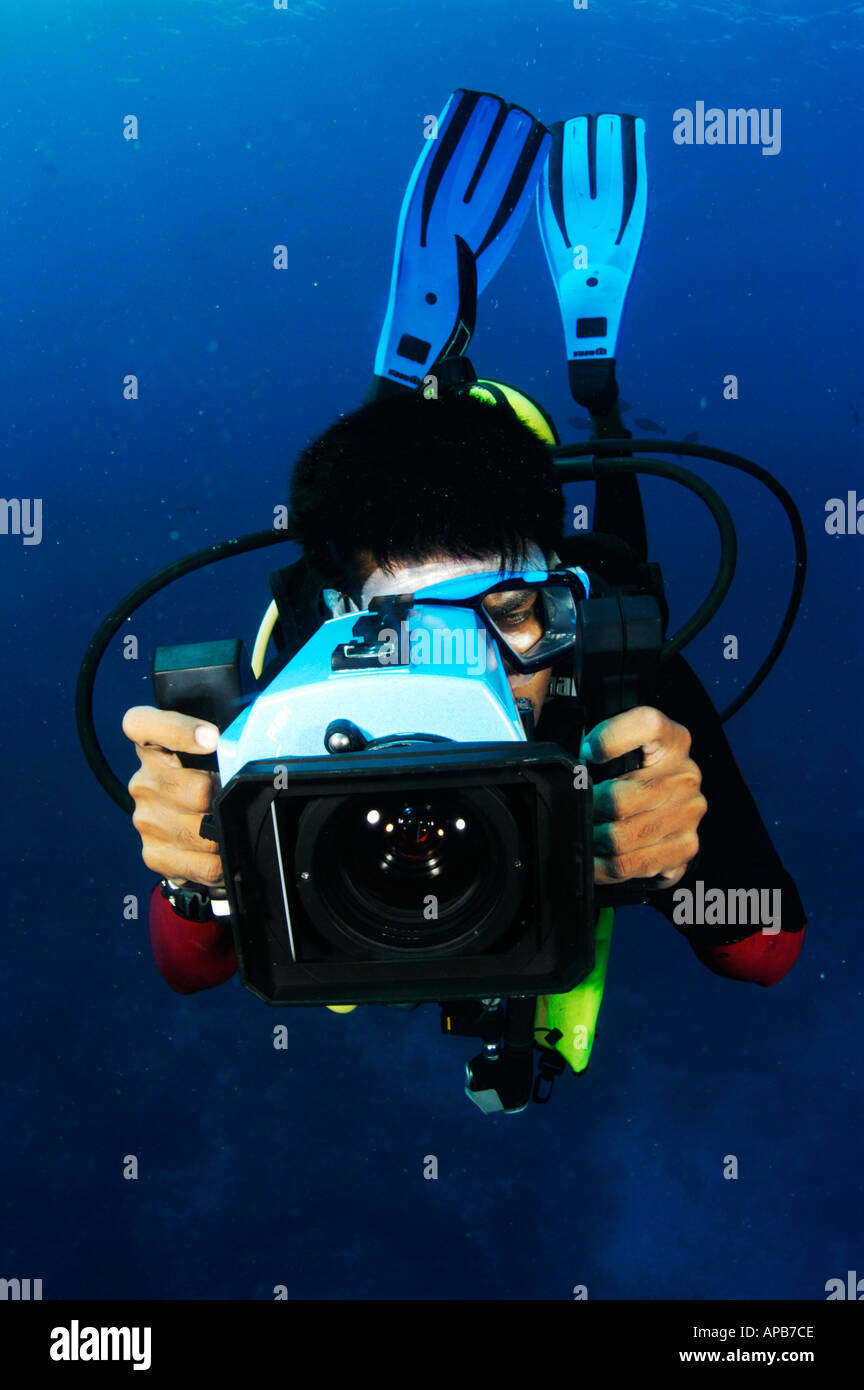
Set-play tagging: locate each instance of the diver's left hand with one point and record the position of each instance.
(645, 822)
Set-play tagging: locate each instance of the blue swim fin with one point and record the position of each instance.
(591, 205)
(465, 203)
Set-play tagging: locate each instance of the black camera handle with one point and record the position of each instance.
(207, 680)
(617, 663)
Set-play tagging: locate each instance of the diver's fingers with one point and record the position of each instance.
(161, 780)
(617, 839)
(641, 727)
(669, 856)
(189, 868)
(645, 790)
(172, 847)
(168, 731)
(171, 799)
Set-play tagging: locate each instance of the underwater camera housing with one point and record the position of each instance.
(364, 862)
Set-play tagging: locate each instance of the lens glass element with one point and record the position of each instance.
(409, 870)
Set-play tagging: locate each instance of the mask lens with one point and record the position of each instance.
(538, 625)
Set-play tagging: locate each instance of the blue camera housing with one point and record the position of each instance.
(432, 670)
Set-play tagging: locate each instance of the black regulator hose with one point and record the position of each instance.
(600, 449)
(92, 750)
(584, 472)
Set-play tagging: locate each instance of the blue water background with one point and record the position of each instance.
(305, 1167)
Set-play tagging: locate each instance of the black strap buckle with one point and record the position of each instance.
(551, 1065)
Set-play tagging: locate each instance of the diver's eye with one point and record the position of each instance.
(514, 606)
(513, 621)
(517, 617)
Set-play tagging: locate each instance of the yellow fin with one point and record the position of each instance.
(575, 1014)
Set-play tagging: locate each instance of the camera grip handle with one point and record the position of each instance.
(633, 890)
(202, 679)
(621, 637)
(616, 767)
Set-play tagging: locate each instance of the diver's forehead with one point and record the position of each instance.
(456, 563)
(406, 576)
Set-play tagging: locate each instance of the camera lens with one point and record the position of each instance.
(413, 872)
(400, 853)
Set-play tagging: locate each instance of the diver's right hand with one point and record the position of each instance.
(170, 799)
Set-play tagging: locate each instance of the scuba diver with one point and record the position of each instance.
(443, 478)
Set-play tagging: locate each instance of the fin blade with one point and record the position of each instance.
(593, 193)
(466, 200)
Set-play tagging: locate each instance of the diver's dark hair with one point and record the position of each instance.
(407, 478)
